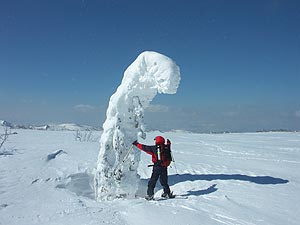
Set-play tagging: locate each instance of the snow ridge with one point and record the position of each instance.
(149, 74)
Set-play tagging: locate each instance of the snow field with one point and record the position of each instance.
(249, 178)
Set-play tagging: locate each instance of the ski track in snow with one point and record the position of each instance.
(229, 179)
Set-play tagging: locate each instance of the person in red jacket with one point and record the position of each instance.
(161, 160)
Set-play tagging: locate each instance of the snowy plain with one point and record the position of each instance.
(46, 177)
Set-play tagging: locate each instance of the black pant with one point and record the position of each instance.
(161, 173)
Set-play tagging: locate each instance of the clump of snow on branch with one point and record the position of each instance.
(151, 73)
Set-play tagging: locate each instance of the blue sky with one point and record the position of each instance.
(61, 60)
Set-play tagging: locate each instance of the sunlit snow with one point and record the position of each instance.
(250, 178)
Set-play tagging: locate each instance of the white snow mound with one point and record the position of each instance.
(151, 73)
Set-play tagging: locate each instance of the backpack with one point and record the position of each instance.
(167, 155)
(167, 152)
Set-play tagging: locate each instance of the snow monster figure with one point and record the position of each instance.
(116, 173)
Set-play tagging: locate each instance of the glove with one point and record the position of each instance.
(168, 141)
(135, 142)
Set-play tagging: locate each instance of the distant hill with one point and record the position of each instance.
(56, 127)
(71, 127)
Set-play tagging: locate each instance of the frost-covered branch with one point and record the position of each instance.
(85, 136)
(4, 137)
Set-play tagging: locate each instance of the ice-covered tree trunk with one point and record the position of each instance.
(149, 74)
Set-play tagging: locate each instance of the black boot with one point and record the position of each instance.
(167, 195)
(170, 195)
(149, 197)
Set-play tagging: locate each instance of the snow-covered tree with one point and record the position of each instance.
(149, 74)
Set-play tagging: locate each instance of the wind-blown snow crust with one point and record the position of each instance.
(151, 73)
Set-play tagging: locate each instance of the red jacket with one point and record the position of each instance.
(153, 151)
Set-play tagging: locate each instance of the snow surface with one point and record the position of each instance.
(149, 74)
(250, 178)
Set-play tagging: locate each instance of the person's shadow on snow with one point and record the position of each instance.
(207, 191)
(178, 178)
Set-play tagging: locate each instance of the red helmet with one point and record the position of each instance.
(159, 140)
